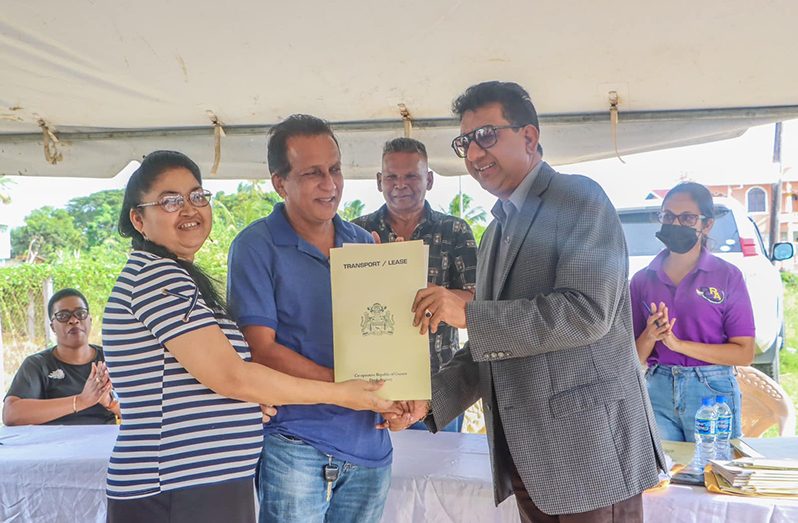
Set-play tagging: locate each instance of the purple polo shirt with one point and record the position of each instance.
(711, 305)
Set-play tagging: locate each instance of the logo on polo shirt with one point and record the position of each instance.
(57, 374)
(711, 294)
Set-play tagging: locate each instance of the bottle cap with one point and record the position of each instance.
(706, 401)
(720, 399)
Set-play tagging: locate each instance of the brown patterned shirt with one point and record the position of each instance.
(452, 264)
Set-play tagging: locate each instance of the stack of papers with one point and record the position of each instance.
(755, 476)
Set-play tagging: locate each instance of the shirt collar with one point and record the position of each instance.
(518, 197)
(284, 234)
(383, 211)
(428, 216)
(706, 263)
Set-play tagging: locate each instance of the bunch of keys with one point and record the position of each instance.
(331, 472)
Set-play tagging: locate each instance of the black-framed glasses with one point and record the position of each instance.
(686, 218)
(175, 202)
(64, 316)
(485, 136)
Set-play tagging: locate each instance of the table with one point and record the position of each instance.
(57, 474)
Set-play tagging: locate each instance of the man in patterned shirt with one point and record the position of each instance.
(404, 182)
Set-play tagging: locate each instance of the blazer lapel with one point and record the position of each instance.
(524, 221)
(486, 261)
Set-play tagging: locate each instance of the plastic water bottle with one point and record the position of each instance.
(723, 429)
(705, 429)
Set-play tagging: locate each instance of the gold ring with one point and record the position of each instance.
(98, 380)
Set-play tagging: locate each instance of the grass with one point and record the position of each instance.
(789, 355)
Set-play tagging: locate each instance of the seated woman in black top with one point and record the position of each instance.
(67, 384)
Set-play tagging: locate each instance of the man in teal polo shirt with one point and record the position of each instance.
(319, 462)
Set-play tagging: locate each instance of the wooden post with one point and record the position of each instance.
(32, 317)
(47, 293)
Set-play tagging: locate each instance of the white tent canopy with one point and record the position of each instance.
(113, 83)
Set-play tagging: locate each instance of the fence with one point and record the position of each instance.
(24, 292)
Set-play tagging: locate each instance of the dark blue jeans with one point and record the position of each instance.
(291, 486)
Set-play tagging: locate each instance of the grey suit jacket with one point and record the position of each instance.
(552, 355)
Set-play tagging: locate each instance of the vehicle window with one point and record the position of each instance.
(640, 226)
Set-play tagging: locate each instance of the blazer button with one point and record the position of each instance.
(500, 354)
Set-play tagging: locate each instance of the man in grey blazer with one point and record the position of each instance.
(551, 351)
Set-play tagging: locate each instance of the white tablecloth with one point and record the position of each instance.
(57, 474)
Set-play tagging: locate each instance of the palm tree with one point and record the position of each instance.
(472, 215)
(352, 210)
(475, 217)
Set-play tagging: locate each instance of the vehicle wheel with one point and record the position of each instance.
(773, 367)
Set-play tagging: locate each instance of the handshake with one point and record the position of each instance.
(402, 414)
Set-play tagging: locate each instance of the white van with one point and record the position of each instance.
(736, 239)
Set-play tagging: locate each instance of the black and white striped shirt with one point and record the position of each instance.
(175, 432)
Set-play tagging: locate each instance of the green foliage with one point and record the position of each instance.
(789, 354)
(47, 231)
(476, 217)
(473, 215)
(790, 280)
(93, 273)
(80, 247)
(351, 210)
(96, 216)
(249, 203)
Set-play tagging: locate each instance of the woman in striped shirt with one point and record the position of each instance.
(191, 428)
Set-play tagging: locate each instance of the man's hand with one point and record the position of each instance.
(377, 239)
(412, 411)
(268, 412)
(434, 305)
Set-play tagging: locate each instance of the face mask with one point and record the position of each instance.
(678, 238)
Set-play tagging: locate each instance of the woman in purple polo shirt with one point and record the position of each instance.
(692, 317)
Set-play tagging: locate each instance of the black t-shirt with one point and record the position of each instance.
(42, 376)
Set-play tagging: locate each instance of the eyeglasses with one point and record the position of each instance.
(175, 202)
(686, 218)
(64, 316)
(485, 136)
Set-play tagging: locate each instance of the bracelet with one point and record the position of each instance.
(75, 404)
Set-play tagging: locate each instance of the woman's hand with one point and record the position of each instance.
(362, 395)
(97, 387)
(412, 412)
(670, 340)
(657, 324)
(268, 412)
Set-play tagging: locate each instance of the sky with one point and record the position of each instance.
(745, 159)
